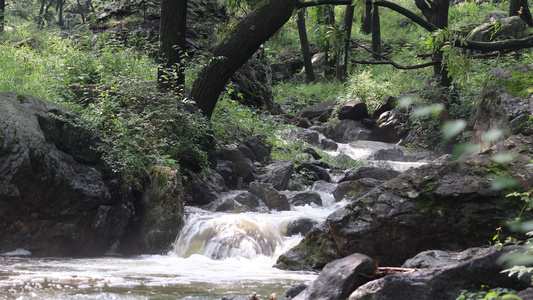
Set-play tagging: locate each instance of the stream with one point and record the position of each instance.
(219, 254)
(215, 255)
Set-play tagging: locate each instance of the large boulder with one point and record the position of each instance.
(162, 208)
(340, 278)
(279, 174)
(353, 110)
(57, 196)
(269, 195)
(501, 29)
(450, 206)
(483, 269)
(505, 104)
(321, 111)
(349, 130)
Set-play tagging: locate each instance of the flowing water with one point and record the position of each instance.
(217, 254)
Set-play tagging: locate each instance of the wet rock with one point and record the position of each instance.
(269, 195)
(393, 154)
(323, 186)
(350, 189)
(445, 283)
(312, 152)
(242, 168)
(260, 149)
(349, 130)
(278, 174)
(163, 211)
(206, 189)
(353, 110)
(313, 171)
(293, 291)
(58, 197)
(300, 226)
(305, 198)
(250, 202)
(340, 278)
(329, 144)
(449, 206)
(321, 110)
(302, 122)
(246, 151)
(369, 172)
(227, 170)
(327, 131)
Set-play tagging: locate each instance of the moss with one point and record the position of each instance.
(520, 84)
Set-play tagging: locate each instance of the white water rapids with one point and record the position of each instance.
(216, 255)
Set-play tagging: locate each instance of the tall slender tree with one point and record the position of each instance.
(173, 28)
(2, 11)
(304, 42)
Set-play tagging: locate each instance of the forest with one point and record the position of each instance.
(147, 103)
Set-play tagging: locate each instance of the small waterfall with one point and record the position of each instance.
(221, 236)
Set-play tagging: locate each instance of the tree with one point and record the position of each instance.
(236, 48)
(342, 70)
(173, 27)
(520, 8)
(2, 10)
(304, 42)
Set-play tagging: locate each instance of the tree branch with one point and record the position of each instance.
(388, 61)
(526, 42)
(393, 6)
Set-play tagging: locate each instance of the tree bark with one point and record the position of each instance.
(521, 8)
(330, 57)
(366, 22)
(376, 31)
(304, 42)
(236, 48)
(2, 18)
(342, 73)
(173, 27)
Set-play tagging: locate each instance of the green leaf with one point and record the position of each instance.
(423, 111)
(504, 157)
(465, 148)
(452, 128)
(492, 135)
(503, 182)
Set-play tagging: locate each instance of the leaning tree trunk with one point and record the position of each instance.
(236, 48)
(304, 42)
(2, 18)
(173, 27)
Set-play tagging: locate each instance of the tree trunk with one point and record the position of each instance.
(376, 32)
(329, 66)
(304, 42)
(521, 8)
(236, 48)
(436, 12)
(366, 23)
(2, 18)
(172, 36)
(342, 72)
(59, 8)
(82, 13)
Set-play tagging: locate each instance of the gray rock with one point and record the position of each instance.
(305, 198)
(242, 168)
(502, 107)
(227, 170)
(494, 16)
(369, 172)
(444, 283)
(349, 130)
(58, 197)
(350, 189)
(206, 189)
(386, 105)
(507, 28)
(353, 110)
(251, 202)
(300, 226)
(329, 144)
(449, 206)
(439, 258)
(317, 110)
(269, 195)
(278, 174)
(313, 171)
(293, 291)
(340, 278)
(260, 149)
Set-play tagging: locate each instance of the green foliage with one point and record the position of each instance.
(486, 293)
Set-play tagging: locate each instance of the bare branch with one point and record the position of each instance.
(526, 42)
(388, 61)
